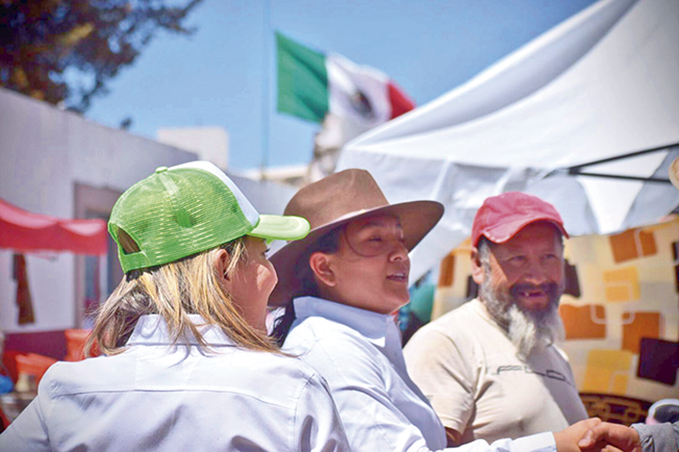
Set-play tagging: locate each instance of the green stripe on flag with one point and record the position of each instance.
(302, 80)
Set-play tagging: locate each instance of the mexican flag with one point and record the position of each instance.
(311, 85)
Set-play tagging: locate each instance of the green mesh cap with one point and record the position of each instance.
(186, 209)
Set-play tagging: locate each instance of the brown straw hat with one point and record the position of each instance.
(335, 200)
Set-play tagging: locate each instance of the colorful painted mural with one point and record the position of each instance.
(620, 313)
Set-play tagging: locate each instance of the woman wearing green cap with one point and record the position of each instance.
(188, 365)
(340, 287)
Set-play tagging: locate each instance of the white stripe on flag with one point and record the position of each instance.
(347, 81)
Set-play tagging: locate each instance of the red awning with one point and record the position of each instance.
(26, 231)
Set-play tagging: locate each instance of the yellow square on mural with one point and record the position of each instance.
(622, 284)
(607, 371)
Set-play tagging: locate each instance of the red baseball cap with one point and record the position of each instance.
(501, 217)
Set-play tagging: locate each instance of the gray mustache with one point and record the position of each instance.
(551, 289)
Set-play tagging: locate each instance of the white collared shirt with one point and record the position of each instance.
(359, 354)
(155, 396)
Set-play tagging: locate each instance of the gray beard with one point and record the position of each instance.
(528, 330)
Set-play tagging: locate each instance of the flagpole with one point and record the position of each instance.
(265, 88)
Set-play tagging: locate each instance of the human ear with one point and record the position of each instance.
(320, 265)
(221, 264)
(477, 266)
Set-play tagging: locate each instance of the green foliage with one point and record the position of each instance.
(65, 51)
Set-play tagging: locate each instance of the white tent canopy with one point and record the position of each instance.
(600, 85)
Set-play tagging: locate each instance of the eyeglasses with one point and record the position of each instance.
(373, 237)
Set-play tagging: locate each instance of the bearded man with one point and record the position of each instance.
(491, 368)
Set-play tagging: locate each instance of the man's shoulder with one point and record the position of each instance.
(457, 320)
(457, 328)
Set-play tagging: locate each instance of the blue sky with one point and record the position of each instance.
(224, 74)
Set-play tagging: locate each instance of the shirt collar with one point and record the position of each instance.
(377, 328)
(152, 330)
(480, 308)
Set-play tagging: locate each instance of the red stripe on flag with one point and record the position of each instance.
(400, 103)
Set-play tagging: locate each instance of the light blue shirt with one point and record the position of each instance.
(155, 396)
(359, 353)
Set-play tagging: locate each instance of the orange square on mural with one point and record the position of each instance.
(637, 325)
(447, 271)
(632, 244)
(584, 322)
(622, 284)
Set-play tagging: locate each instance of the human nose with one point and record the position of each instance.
(535, 273)
(399, 251)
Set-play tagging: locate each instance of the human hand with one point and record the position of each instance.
(567, 439)
(625, 438)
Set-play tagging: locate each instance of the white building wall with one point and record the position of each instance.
(209, 143)
(44, 152)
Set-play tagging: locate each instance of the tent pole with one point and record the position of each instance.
(576, 168)
(617, 176)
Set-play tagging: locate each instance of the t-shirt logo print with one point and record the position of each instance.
(549, 373)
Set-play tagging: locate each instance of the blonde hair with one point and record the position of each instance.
(173, 291)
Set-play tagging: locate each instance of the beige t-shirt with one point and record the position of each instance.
(469, 370)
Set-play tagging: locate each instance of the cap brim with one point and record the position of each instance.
(417, 219)
(504, 232)
(281, 227)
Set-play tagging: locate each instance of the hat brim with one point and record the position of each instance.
(281, 227)
(417, 218)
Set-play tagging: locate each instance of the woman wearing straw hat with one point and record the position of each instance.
(189, 364)
(340, 287)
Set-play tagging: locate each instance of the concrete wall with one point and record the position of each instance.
(44, 153)
(209, 143)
